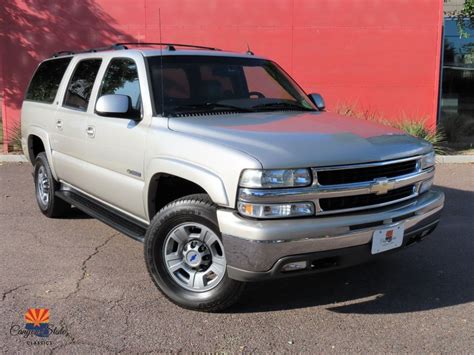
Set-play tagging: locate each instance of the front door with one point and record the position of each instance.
(116, 145)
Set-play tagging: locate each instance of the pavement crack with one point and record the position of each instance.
(96, 251)
(6, 293)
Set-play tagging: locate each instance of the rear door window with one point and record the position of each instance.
(80, 86)
(45, 83)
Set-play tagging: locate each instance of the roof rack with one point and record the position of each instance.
(124, 45)
(91, 50)
(60, 53)
(171, 46)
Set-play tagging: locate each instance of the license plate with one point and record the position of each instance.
(387, 238)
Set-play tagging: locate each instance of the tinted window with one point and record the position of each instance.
(176, 84)
(121, 78)
(45, 82)
(199, 84)
(260, 80)
(80, 87)
(457, 100)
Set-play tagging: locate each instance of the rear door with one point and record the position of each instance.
(40, 106)
(71, 122)
(116, 148)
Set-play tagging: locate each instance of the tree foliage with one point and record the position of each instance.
(464, 18)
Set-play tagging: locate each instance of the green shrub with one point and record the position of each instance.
(14, 138)
(419, 129)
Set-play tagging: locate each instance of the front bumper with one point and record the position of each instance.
(257, 249)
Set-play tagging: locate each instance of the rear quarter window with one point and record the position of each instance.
(45, 83)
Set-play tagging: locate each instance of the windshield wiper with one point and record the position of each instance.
(210, 105)
(280, 105)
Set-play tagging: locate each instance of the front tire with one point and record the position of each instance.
(45, 187)
(185, 256)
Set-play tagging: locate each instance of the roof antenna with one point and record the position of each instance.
(161, 68)
(249, 52)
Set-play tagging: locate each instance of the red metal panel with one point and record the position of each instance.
(377, 55)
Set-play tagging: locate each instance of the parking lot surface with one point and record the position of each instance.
(100, 298)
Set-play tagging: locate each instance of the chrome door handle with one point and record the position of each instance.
(90, 131)
(59, 124)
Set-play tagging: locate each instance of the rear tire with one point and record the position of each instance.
(45, 187)
(185, 256)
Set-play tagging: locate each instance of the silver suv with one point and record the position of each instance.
(222, 166)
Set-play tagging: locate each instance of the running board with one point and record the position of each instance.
(114, 219)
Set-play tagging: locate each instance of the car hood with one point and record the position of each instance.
(302, 139)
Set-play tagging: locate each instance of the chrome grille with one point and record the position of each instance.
(341, 189)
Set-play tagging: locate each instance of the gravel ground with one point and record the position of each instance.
(94, 282)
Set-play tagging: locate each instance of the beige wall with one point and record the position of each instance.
(451, 6)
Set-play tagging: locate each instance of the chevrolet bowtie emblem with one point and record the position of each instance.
(381, 186)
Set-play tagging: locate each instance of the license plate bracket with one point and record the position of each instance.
(385, 239)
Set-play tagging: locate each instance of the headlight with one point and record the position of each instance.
(275, 178)
(276, 210)
(428, 160)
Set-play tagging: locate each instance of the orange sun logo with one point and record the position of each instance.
(36, 316)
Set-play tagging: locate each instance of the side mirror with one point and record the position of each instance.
(318, 100)
(119, 106)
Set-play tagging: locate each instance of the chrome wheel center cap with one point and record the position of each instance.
(196, 254)
(193, 258)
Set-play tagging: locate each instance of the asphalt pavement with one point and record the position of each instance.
(100, 298)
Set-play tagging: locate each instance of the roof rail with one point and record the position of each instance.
(124, 45)
(91, 50)
(171, 46)
(60, 53)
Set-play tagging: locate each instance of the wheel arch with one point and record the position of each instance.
(186, 178)
(34, 139)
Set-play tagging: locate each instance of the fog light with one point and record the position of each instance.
(297, 265)
(426, 185)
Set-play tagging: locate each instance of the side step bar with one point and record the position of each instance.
(119, 221)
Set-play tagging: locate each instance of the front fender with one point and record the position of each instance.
(208, 180)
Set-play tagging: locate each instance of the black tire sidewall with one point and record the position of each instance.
(42, 161)
(161, 225)
(56, 207)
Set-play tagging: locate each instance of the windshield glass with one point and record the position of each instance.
(200, 84)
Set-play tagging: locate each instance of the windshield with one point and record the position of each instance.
(200, 84)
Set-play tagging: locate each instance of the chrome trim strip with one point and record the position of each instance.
(367, 165)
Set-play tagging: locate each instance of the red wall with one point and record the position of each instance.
(377, 55)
